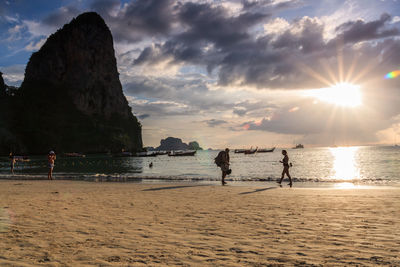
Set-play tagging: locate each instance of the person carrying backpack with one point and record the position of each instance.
(222, 161)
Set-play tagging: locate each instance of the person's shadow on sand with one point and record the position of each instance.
(258, 190)
(171, 187)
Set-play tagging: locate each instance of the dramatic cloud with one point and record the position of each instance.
(214, 122)
(137, 19)
(239, 66)
(220, 41)
(193, 94)
(357, 31)
(61, 16)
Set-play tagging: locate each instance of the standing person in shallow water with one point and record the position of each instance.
(12, 162)
(51, 157)
(285, 162)
(224, 164)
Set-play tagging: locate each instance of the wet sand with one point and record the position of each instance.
(71, 223)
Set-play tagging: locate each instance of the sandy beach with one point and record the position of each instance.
(70, 223)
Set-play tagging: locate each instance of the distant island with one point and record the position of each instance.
(172, 143)
(71, 98)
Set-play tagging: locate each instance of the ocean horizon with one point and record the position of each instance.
(358, 165)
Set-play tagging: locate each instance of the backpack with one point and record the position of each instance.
(218, 159)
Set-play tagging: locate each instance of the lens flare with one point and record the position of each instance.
(392, 74)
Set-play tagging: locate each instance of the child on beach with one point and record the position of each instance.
(285, 162)
(51, 157)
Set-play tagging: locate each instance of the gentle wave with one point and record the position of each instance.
(100, 177)
(361, 165)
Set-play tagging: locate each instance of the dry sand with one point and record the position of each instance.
(69, 223)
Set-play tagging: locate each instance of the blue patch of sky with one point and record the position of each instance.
(32, 10)
(12, 50)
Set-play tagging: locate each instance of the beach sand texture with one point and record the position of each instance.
(69, 223)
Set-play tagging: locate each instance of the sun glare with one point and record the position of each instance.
(341, 94)
(345, 165)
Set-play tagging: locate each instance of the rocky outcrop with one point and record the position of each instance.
(80, 58)
(194, 146)
(172, 143)
(71, 98)
(2, 86)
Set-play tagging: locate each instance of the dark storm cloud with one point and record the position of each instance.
(308, 40)
(152, 16)
(61, 16)
(215, 122)
(138, 19)
(225, 43)
(219, 41)
(104, 7)
(213, 24)
(357, 31)
(206, 25)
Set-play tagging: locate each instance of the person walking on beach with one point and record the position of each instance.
(12, 162)
(285, 162)
(51, 157)
(222, 161)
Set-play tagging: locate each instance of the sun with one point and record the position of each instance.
(341, 94)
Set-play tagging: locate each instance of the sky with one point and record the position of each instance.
(238, 73)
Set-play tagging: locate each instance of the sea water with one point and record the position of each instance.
(374, 165)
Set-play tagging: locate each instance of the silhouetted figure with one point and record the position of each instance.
(286, 166)
(12, 162)
(51, 157)
(151, 165)
(222, 161)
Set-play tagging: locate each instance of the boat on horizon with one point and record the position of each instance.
(181, 153)
(250, 151)
(160, 152)
(298, 146)
(265, 150)
(146, 154)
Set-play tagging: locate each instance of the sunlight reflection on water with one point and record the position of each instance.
(344, 163)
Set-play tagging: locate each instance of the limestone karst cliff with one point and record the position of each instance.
(172, 143)
(71, 98)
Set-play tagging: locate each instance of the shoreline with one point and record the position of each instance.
(74, 223)
(252, 183)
